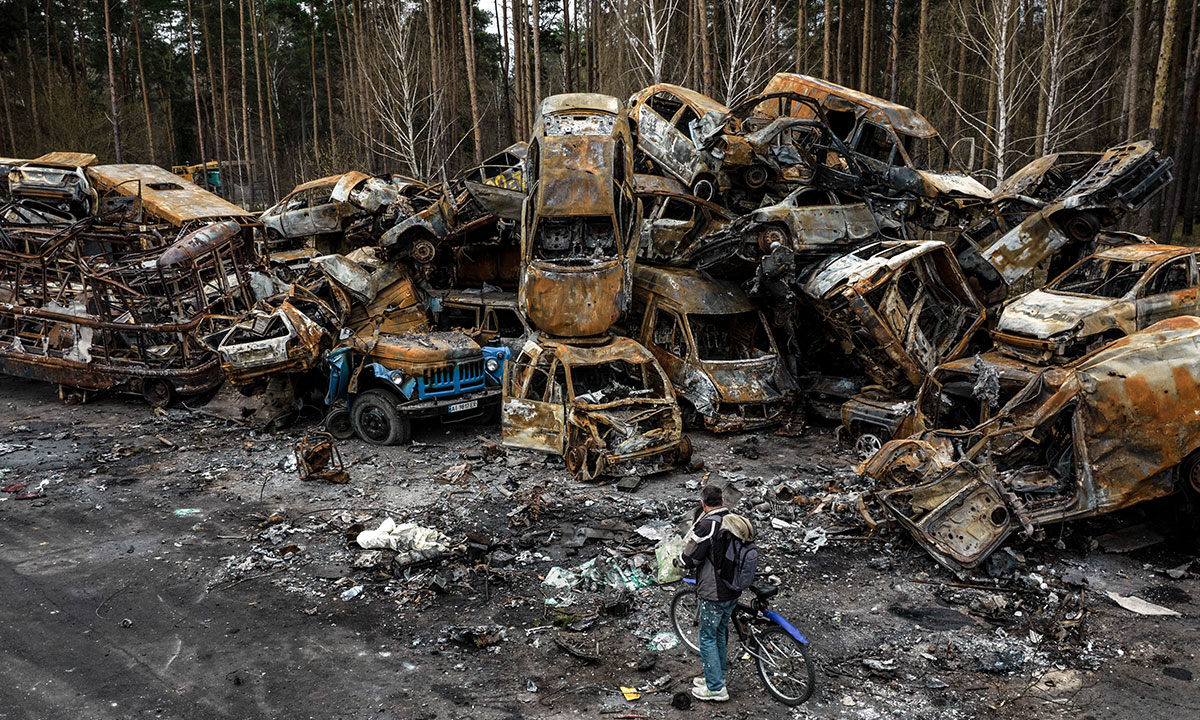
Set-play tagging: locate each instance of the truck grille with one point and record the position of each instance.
(462, 376)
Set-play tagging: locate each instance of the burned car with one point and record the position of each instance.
(606, 407)
(673, 221)
(333, 209)
(580, 222)
(897, 149)
(94, 308)
(808, 222)
(55, 184)
(1105, 296)
(667, 121)
(1114, 430)
(1026, 240)
(714, 345)
(897, 309)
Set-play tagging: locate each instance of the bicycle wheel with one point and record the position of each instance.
(784, 666)
(685, 617)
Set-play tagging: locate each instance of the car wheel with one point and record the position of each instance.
(377, 420)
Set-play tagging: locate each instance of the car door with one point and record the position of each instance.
(533, 413)
(1170, 291)
(668, 342)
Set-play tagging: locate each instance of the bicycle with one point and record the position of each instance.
(778, 648)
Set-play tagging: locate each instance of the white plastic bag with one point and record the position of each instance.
(665, 553)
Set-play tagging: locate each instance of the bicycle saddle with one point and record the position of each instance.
(765, 592)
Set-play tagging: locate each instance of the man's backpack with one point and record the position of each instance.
(736, 556)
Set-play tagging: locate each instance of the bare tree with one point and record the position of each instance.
(1074, 76)
(112, 84)
(987, 29)
(646, 25)
(137, 34)
(1158, 107)
(406, 113)
(750, 39)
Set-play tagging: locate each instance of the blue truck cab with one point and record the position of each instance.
(379, 385)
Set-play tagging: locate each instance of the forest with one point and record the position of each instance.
(285, 91)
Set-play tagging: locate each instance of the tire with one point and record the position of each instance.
(784, 666)
(158, 392)
(339, 424)
(1081, 226)
(683, 454)
(1189, 475)
(377, 420)
(685, 618)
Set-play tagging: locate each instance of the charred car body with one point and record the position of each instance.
(580, 221)
(606, 407)
(1116, 429)
(715, 346)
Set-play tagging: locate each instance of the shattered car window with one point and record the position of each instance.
(740, 336)
(875, 142)
(925, 153)
(575, 238)
(613, 381)
(583, 124)
(1101, 277)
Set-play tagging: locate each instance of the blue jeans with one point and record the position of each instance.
(714, 626)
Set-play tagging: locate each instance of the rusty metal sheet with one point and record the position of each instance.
(877, 110)
(163, 194)
(692, 292)
(588, 102)
(66, 159)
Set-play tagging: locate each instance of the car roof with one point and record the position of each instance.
(903, 119)
(616, 348)
(570, 102)
(690, 291)
(1144, 252)
(698, 101)
(178, 201)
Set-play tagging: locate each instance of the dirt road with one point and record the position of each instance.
(173, 565)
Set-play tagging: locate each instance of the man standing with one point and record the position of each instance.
(717, 599)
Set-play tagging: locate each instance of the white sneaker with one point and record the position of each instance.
(699, 682)
(703, 693)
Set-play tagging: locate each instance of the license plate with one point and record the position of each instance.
(459, 407)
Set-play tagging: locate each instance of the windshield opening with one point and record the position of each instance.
(575, 240)
(616, 380)
(1101, 277)
(738, 336)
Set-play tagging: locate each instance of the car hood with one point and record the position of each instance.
(749, 381)
(1042, 314)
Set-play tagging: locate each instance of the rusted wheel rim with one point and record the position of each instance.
(867, 445)
(1192, 475)
(157, 393)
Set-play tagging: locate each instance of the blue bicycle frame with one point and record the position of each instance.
(773, 616)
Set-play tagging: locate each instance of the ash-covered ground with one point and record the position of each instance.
(172, 564)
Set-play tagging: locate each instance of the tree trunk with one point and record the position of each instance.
(1166, 49)
(841, 43)
(1129, 103)
(1183, 140)
(137, 36)
(827, 56)
(247, 156)
(329, 95)
(196, 89)
(112, 85)
(537, 52)
(894, 54)
(705, 47)
(469, 55)
(864, 57)
(8, 121)
(568, 66)
(801, 35)
(263, 147)
(312, 71)
(922, 49)
(219, 141)
(1048, 21)
(270, 87)
(230, 152)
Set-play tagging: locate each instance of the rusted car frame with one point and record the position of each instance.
(581, 220)
(715, 346)
(1106, 295)
(56, 181)
(1114, 430)
(673, 221)
(606, 407)
(897, 309)
(94, 308)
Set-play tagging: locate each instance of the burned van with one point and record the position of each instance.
(605, 406)
(715, 346)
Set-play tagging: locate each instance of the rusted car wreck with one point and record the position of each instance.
(1116, 429)
(608, 408)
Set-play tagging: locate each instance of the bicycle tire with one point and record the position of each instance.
(775, 642)
(686, 616)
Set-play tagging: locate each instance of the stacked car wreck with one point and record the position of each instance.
(642, 268)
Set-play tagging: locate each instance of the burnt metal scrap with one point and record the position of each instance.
(1116, 429)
